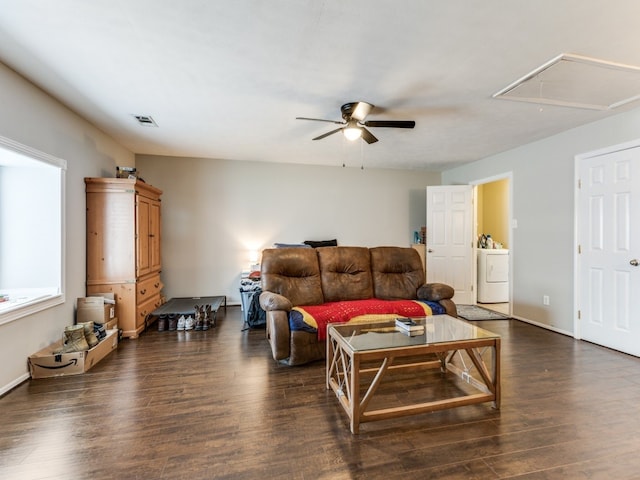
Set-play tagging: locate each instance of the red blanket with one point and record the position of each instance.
(319, 316)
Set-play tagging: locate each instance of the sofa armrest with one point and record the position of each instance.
(435, 292)
(441, 293)
(277, 308)
(449, 307)
(270, 301)
(279, 334)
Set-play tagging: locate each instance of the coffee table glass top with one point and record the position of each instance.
(385, 334)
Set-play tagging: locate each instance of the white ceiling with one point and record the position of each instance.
(226, 79)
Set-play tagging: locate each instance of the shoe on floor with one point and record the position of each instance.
(181, 322)
(172, 321)
(199, 320)
(163, 323)
(210, 317)
(189, 323)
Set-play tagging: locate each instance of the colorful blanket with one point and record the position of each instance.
(315, 318)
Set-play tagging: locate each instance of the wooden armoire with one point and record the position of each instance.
(123, 247)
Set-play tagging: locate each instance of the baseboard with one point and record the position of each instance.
(543, 325)
(10, 386)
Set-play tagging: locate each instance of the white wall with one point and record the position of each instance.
(29, 116)
(543, 205)
(214, 212)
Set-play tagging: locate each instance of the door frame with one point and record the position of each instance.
(576, 221)
(512, 224)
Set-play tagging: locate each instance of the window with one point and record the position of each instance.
(32, 186)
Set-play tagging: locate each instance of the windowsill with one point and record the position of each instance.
(28, 302)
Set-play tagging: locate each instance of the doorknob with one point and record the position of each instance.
(430, 251)
(634, 262)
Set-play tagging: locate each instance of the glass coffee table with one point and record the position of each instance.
(358, 351)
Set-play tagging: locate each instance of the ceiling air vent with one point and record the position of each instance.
(146, 121)
(575, 81)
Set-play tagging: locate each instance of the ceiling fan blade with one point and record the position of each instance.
(367, 136)
(361, 110)
(320, 120)
(391, 123)
(327, 134)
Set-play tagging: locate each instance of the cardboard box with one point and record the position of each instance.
(45, 363)
(95, 309)
(111, 324)
(109, 297)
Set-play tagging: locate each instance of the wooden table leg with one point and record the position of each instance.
(355, 394)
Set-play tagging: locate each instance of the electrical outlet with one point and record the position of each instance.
(545, 299)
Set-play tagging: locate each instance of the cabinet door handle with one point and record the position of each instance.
(143, 291)
(156, 285)
(634, 262)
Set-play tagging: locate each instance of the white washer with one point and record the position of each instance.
(493, 275)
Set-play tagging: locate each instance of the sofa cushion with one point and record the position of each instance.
(293, 273)
(319, 316)
(397, 272)
(300, 318)
(345, 273)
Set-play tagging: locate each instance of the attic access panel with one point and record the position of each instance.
(576, 81)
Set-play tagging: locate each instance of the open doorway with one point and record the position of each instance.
(495, 250)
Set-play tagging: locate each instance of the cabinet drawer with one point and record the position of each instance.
(144, 309)
(149, 288)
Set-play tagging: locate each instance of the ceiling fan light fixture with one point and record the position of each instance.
(354, 125)
(352, 131)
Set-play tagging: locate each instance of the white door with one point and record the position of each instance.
(609, 246)
(450, 245)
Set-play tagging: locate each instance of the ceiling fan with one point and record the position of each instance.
(354, 114)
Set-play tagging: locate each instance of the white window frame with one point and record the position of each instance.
(27, 301)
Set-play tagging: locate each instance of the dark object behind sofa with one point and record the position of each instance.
(256, 316)
(321, 243)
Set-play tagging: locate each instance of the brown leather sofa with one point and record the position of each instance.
(313, 276)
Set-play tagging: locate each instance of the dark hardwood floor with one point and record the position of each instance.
(204, 405)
